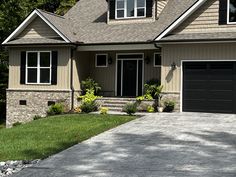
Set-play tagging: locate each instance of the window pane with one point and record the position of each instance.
(44, 75)
(120, 4)
(101, 60)
(32, 59)
(45, 59)
(130, 8)
(140, 12)
(232, 11)
(140, 3)
(120, 13)
(32, 75)
(157, 60)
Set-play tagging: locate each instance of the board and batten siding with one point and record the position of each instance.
(106, 77)
(63, 71)
(38, 29)
(177, 52)
(204, 20)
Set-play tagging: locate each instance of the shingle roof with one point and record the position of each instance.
(200, 36)
(87, 23)
(35, 41)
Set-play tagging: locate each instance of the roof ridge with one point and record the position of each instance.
(50, 13)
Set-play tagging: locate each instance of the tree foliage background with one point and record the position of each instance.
(12, 13)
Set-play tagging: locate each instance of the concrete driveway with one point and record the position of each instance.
(178, 144)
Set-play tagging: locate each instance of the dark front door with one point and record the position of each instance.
(209, 87)
(129, 77)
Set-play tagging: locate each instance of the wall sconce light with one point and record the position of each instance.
(173, 66)
(109, 60)
(147, 60)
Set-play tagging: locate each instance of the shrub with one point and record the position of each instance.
(104, 110)
(88, 102)
(169, 106)
(77, 110)
(130, 108)
(144, 97)
(17, 124)
(56, 109)
(150, 109)
(88, 107)
(90, 84)
(37, 117)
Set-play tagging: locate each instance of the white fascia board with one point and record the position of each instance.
(181, 19)
(27, 21)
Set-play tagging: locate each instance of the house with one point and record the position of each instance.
(188, 45)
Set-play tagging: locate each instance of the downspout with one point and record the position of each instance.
(72, 79)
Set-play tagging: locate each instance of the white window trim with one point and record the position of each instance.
(96, 58)
(228, 22)
(135, 10)
(38, 68)
(154, 58)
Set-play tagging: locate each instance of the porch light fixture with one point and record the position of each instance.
(147, 60)
(173, 66)
(109, 60)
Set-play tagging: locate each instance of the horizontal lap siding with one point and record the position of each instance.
(205, 19)
(176, 53)
(63, 72)
(160, 6)
(38, 29)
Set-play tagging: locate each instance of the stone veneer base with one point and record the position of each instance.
(172, 97)
(36, 104)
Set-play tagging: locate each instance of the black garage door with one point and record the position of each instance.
(209, 87)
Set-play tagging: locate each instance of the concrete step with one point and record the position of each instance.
(113, 105)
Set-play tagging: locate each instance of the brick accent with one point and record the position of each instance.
(36, 104)
(173, 97)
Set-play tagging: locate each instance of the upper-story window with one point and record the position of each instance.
(130, 9)
(231, 11)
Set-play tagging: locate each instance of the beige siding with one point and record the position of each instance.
(176, 53)
(63, 73)
(82, 68)
(204, 20)
(160, 6)
(38, 29)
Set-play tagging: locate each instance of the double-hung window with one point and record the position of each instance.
(38, 67)
(231, 11)
(130, 9)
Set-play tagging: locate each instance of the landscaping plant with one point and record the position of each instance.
(90, 84)
(56, 109)
(150, 109)
(104, 110)
(130, 108)
(88, 101)
(169, 106)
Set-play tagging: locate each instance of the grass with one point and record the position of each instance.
(42, 138)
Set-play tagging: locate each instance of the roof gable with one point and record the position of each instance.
(187, 13)
(36, 13)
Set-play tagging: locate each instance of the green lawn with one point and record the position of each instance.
(42, 138)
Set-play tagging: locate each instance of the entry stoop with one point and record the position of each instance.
(114, 103)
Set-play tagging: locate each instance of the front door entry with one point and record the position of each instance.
(130, 75)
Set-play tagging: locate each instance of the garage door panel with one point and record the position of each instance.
(191, 94)
(221, 85)
(209, 87)
(195, 85)
(219, 94)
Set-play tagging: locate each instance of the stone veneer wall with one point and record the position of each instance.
(172, 97)
(37, 104)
